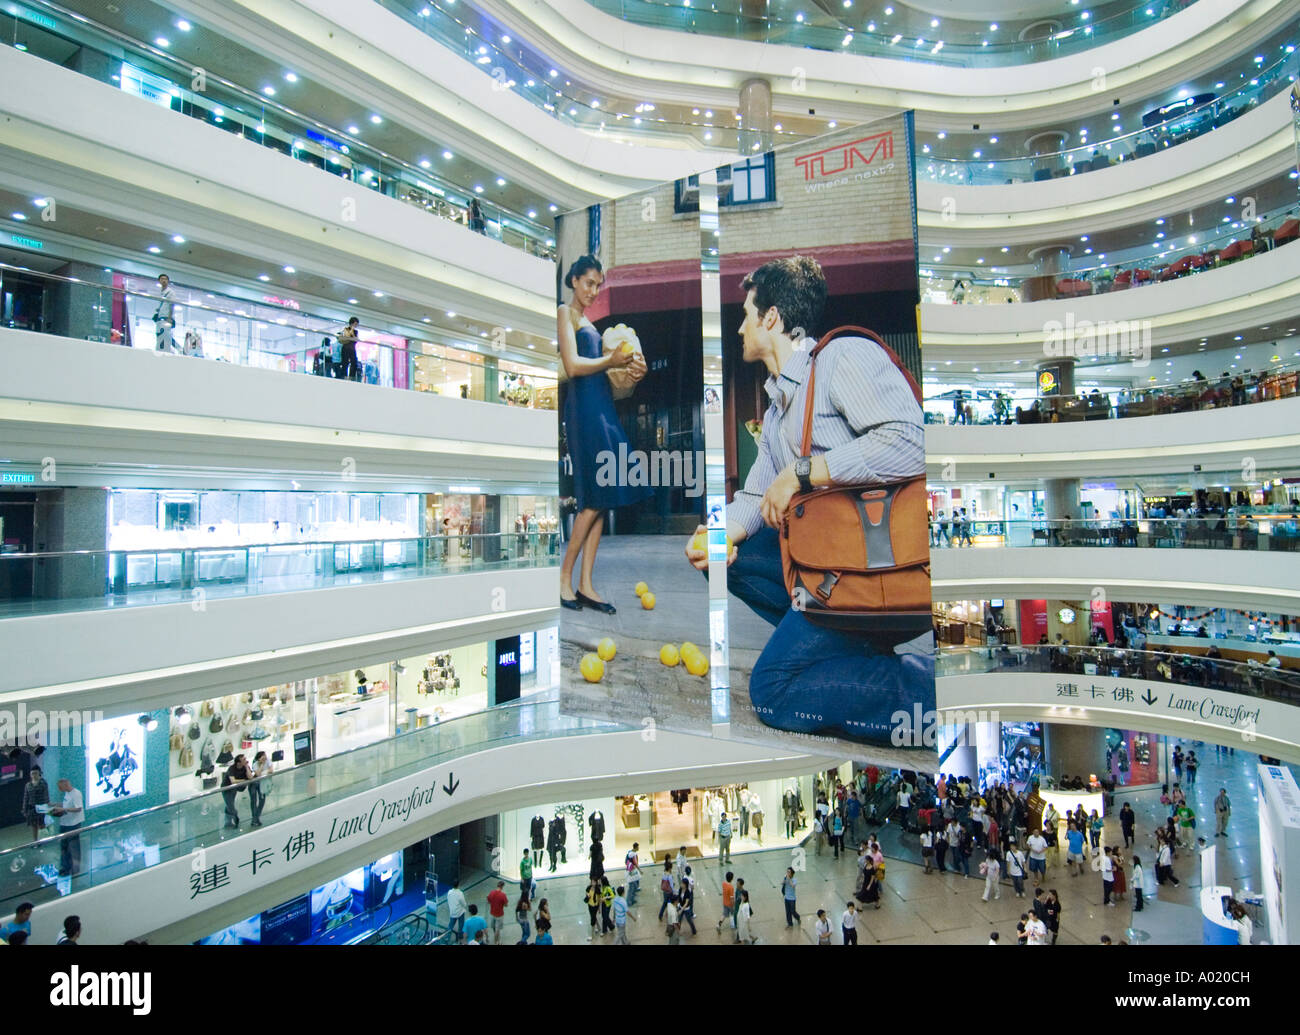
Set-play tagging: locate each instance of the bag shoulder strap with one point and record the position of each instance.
(826, 339)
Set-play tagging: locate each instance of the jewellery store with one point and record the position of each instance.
(560, 836)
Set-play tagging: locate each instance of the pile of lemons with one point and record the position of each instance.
(696, 662)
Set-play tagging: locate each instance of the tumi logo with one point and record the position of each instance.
(842, 158)
(91, 988)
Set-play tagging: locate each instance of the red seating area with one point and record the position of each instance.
(1288, 231)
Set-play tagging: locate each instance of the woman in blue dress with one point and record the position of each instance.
(592, 431)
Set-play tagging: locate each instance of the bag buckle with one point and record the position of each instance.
(828, 584)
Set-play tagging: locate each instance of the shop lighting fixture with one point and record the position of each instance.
(183, 25)
(269, 91)
(993, 27)
(290, 269)
(552, 208)
(177, 239)
(163, 41)
(353, 130)
(832, 124)
(154, 250)
(263, 277)
(896, 38)
(451, 313)
(20, 216)
(290, 77)
(377, 294)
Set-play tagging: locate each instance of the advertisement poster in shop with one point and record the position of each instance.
(827, 547)
(634, 631)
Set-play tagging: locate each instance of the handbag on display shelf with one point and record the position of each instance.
(177, 739)
(195, 733)
(246, 743)
(256, 714)
(205, 709)
(216, 725)
(186, 758)
(228, 704)
(853, 553)
(277, 755)
(227, 754)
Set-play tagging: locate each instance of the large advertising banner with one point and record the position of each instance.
(634, 630)
(827, 548)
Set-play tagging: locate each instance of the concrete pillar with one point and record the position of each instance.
(72, 519)
(1051, 262)
(1062, 370)
(84, 309)
(1061, 498)
(1074, 750)
(93, 63)
(755, 104)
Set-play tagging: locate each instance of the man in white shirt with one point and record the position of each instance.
(1016, 869)
(1037, 856)
(977, 821)
(71, 815)
(1036, 929)
(164, 317)
(1107, 877)
(456, 909)
(849, 924)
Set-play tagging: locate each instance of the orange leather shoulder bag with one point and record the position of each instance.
(855, 553)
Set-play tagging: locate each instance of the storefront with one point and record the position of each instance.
(148, 519)
(763, 814)
(465, 374)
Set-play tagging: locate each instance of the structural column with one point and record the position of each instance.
(755, 105)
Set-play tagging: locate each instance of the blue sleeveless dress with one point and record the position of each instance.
(595, 435)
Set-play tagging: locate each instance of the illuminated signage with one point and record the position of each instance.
(26, 242)
(844, 157)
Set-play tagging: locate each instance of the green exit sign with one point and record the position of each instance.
(26, 242)
(36, 17)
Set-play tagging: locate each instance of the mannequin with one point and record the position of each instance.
(554, 840)
(597, 822)
(756, 815)
(537, 835)
(561, 836)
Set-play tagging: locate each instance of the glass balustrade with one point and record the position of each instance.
(1180, 125)
(1169, 666)
(1239, 529)
(50, 31)
(116, 848)
(868, 32)
(88, 580)
(269, 336)
(971, 406)
(1167, 260)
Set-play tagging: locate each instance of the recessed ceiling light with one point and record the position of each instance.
(163, 41)
(451, 312)
(290, 77)
(352, 301)
(353, 130)
(425, 163)
(177, 239)
(290, 269)
(183, 25)
(377, 294)
(269, 91)
(552, 208)
(376, 119)
(154, 249)
(532, 213)
(501, 182)
(478, 188)
(263, 277)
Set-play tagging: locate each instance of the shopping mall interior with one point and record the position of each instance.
(1075, 216)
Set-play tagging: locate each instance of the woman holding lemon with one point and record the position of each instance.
(592, 430)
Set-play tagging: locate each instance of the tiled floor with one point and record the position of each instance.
(920, 908)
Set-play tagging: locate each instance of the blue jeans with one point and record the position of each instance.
(633, 886)
(668, 897)
(813, 679)
(790, 914)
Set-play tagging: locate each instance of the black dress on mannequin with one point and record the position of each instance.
(537, 832)
(597, 860)
(561, 837)
(552, 842)
(597, 823)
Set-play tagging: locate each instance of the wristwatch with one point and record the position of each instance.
(803, 471)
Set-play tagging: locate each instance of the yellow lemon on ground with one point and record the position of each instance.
(641, 587)
(592, 668)
(688, 647)
(669, 655)
(648, 600)
(696, 663)
(606, 649)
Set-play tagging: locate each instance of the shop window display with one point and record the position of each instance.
(764, 814)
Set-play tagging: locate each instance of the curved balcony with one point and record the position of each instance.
(1259, 291)
(1252, 565)
(126, 861)
(152, 72)
(1186, 696)
(810, 27)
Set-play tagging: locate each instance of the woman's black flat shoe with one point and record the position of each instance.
(572, 605)
(597, 605)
